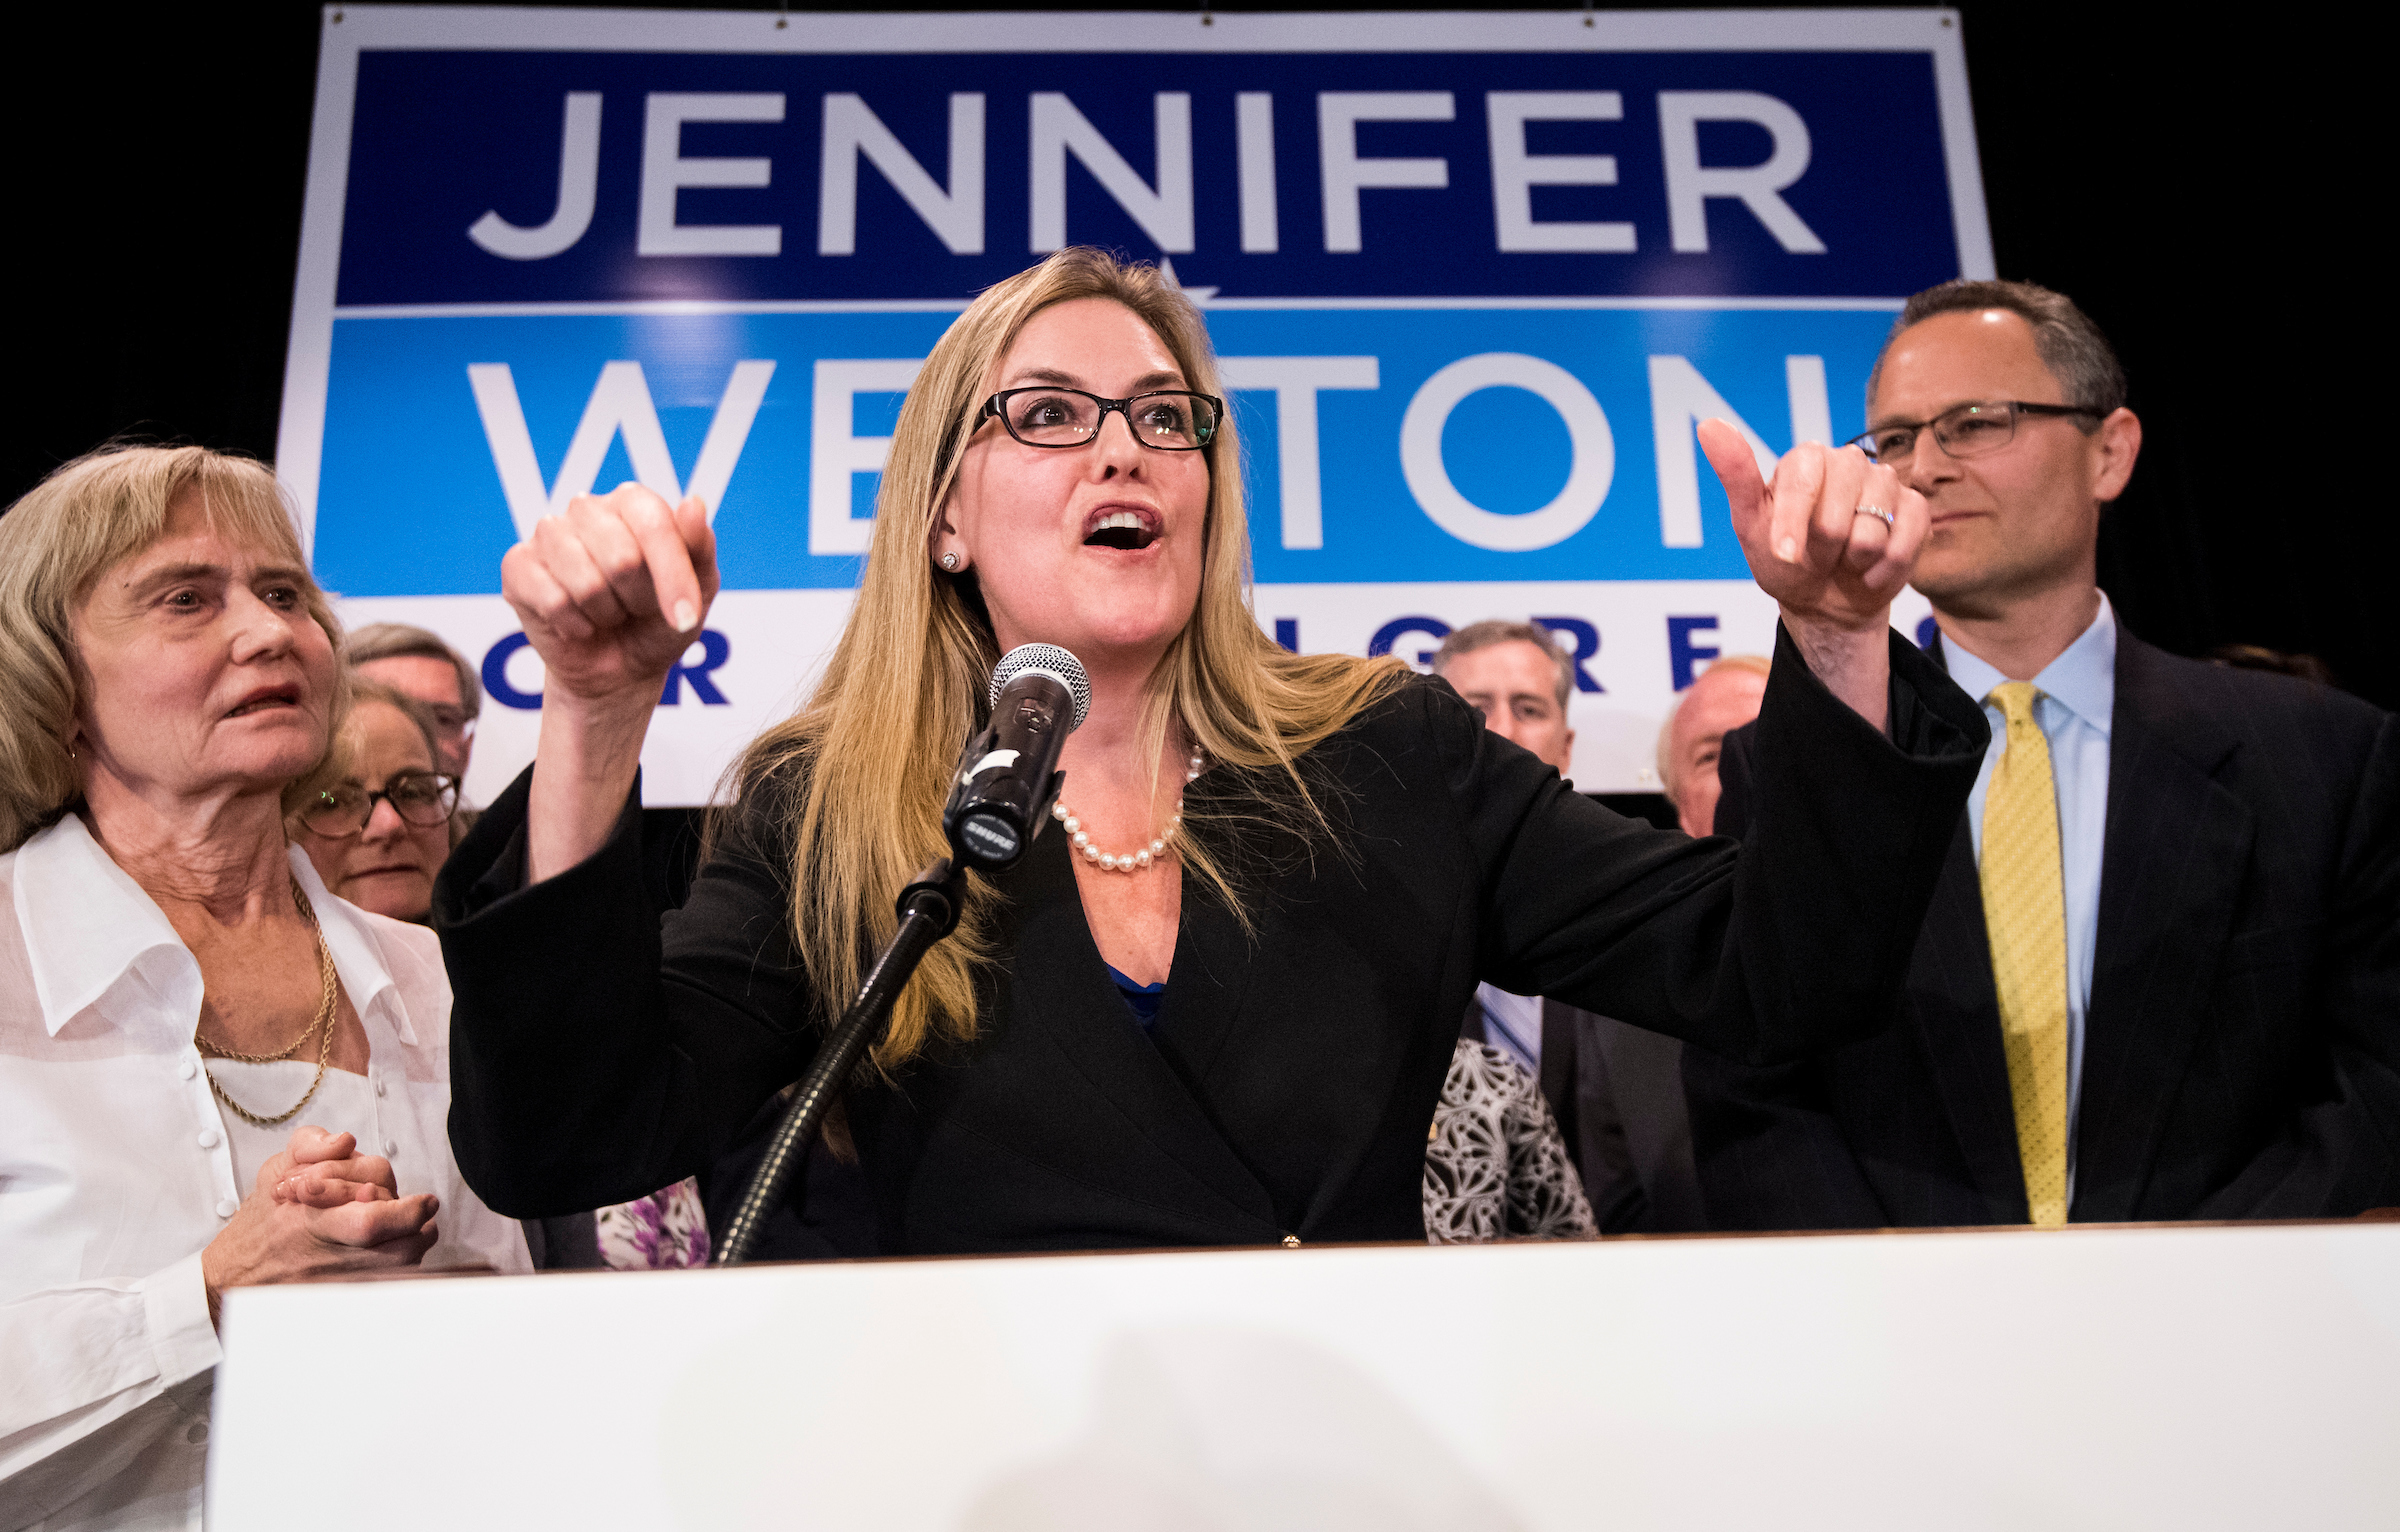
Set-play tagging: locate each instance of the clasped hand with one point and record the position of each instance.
(319, 1209)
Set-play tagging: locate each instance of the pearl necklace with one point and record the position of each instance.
(1156, 851)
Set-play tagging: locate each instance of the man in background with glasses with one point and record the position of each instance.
(416, 663)
(2161, 974)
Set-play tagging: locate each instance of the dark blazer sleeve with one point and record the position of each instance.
(1799, 942)
(2339, 1153)
(596, 1053)
(1767, 1148)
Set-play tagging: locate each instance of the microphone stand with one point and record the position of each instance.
(929, 910)
(998, 804)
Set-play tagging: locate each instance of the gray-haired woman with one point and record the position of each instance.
(213, 1072)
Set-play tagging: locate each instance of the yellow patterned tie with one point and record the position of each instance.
(2025, 911)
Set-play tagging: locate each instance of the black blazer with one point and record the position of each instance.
(598, 1053)
(2242, 1043)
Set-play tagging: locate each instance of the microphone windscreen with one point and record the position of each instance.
(1049, 660)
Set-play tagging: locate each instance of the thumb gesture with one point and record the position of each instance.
(1832, 537)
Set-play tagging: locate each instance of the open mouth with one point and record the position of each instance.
(260, 701)
(1130, 531)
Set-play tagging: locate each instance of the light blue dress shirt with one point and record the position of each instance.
(1513, 1024)
(2077, 699)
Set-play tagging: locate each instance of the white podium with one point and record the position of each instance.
(2186, 1378)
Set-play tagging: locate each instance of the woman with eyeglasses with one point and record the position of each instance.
(379, 835)
(1216, 1003)
(215, 1071)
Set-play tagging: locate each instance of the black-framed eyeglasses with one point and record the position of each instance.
(1169, 420)
(1963, 430)
(422, 798)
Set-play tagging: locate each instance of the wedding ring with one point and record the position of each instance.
(1878, 513)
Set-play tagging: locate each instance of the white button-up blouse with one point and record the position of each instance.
(116, 1169)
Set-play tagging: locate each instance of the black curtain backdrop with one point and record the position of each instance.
(2188, 176)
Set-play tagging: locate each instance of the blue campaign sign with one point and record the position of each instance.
(1472, 279)
(899, 176)
(466, 430)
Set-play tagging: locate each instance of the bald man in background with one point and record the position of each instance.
(1725, 697)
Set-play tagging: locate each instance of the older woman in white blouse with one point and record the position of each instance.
(212, 1071)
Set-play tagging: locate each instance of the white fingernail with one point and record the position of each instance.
(1786, 549)
(687, 617)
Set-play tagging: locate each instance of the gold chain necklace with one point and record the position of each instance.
(321, 1027)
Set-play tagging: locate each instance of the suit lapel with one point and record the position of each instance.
(2176, 849)
(1067, 998)
(1958, 1023)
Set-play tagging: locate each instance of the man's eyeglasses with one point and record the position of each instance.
(453, 723)
(1168, 421)
(422, 798)
(1963, 430)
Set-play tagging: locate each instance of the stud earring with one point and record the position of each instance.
(950, 561)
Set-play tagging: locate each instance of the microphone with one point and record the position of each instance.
(1008, 775)
(1007, 779)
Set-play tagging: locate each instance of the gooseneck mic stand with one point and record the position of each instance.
(929, 910)
(1000, 797)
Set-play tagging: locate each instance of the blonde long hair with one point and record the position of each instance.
(56, 542)
(868, 758)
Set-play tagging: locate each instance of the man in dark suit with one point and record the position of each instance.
(2161, 975)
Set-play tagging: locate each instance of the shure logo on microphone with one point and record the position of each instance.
(988, 837)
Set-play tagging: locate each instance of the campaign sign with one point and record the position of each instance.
(1472, 280)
